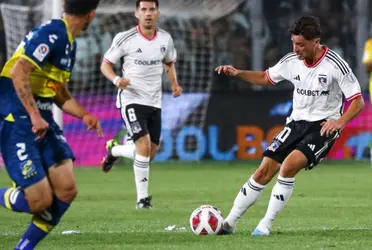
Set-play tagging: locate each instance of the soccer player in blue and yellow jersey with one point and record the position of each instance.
(36, 154)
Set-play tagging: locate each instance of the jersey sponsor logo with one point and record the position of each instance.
(53, 38)
(139, 50)
(147, 63)
(297, 78)
(46, 106)
(322, 80)
(308, 92)
(28, 169)
(41, 52)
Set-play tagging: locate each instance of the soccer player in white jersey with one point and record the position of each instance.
(145, 51)
(320, 78)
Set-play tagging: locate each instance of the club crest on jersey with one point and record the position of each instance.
(163, 49)
(322, 80)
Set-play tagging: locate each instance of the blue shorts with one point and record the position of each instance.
(26, 160)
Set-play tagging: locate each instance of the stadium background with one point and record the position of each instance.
(217, 118)
(228, 120)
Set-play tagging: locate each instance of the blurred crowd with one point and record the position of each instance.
(202, 45)
(233, 38)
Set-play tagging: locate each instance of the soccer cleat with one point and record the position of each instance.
(260, 232)
(109, 160)
(144, 203)
(226, 229)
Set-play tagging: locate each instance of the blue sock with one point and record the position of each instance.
(42, 224)
(14, 199)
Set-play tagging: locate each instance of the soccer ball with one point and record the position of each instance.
(206, 220)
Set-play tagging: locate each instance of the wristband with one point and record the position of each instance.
(115, 81)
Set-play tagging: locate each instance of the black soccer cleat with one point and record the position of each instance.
(109, 160)
(144, 203)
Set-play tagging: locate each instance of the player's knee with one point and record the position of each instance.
(67, 193)
(39, 196)
(294, 162)
(143, 146)
(41, 202)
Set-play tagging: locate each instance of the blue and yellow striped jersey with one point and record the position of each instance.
(51, 48)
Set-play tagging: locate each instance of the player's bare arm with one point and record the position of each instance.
(21, 78)
(170, 68)
(108, 71)
(68, 104)
(254, 77)
(354, 109)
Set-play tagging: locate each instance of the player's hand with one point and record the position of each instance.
(227, 70)
(122, 83)
(331, 126)
(177, 90)
(92, 122)
(39, 126)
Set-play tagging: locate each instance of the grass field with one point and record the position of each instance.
(330, 209)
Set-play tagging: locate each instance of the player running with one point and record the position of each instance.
(143, 51)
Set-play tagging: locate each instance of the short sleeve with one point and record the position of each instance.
(117, 49)
(279, 71)
(349, 85)
(40, 45)
(171, 53)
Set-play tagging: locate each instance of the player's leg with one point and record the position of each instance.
(141, 167)
(250, 192)
(136, 119)
(270, 165)
(64, 193)
(57, 158)
(282, 190)
(126, 150)
(312, 148)
(114, 150)
(33, 193)
(22, 162)
(154, 127)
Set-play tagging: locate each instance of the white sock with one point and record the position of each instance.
(247, 196)
(127, 151)
(279, 197)
(141, 169)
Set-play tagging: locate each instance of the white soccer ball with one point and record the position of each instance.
(206, 220)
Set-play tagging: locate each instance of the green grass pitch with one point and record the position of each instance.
(330, 208)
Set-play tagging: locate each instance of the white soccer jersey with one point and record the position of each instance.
(142, 60)
(318, 88)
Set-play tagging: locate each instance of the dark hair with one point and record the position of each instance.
(154, 1)
(80, 7)
(306, 26)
